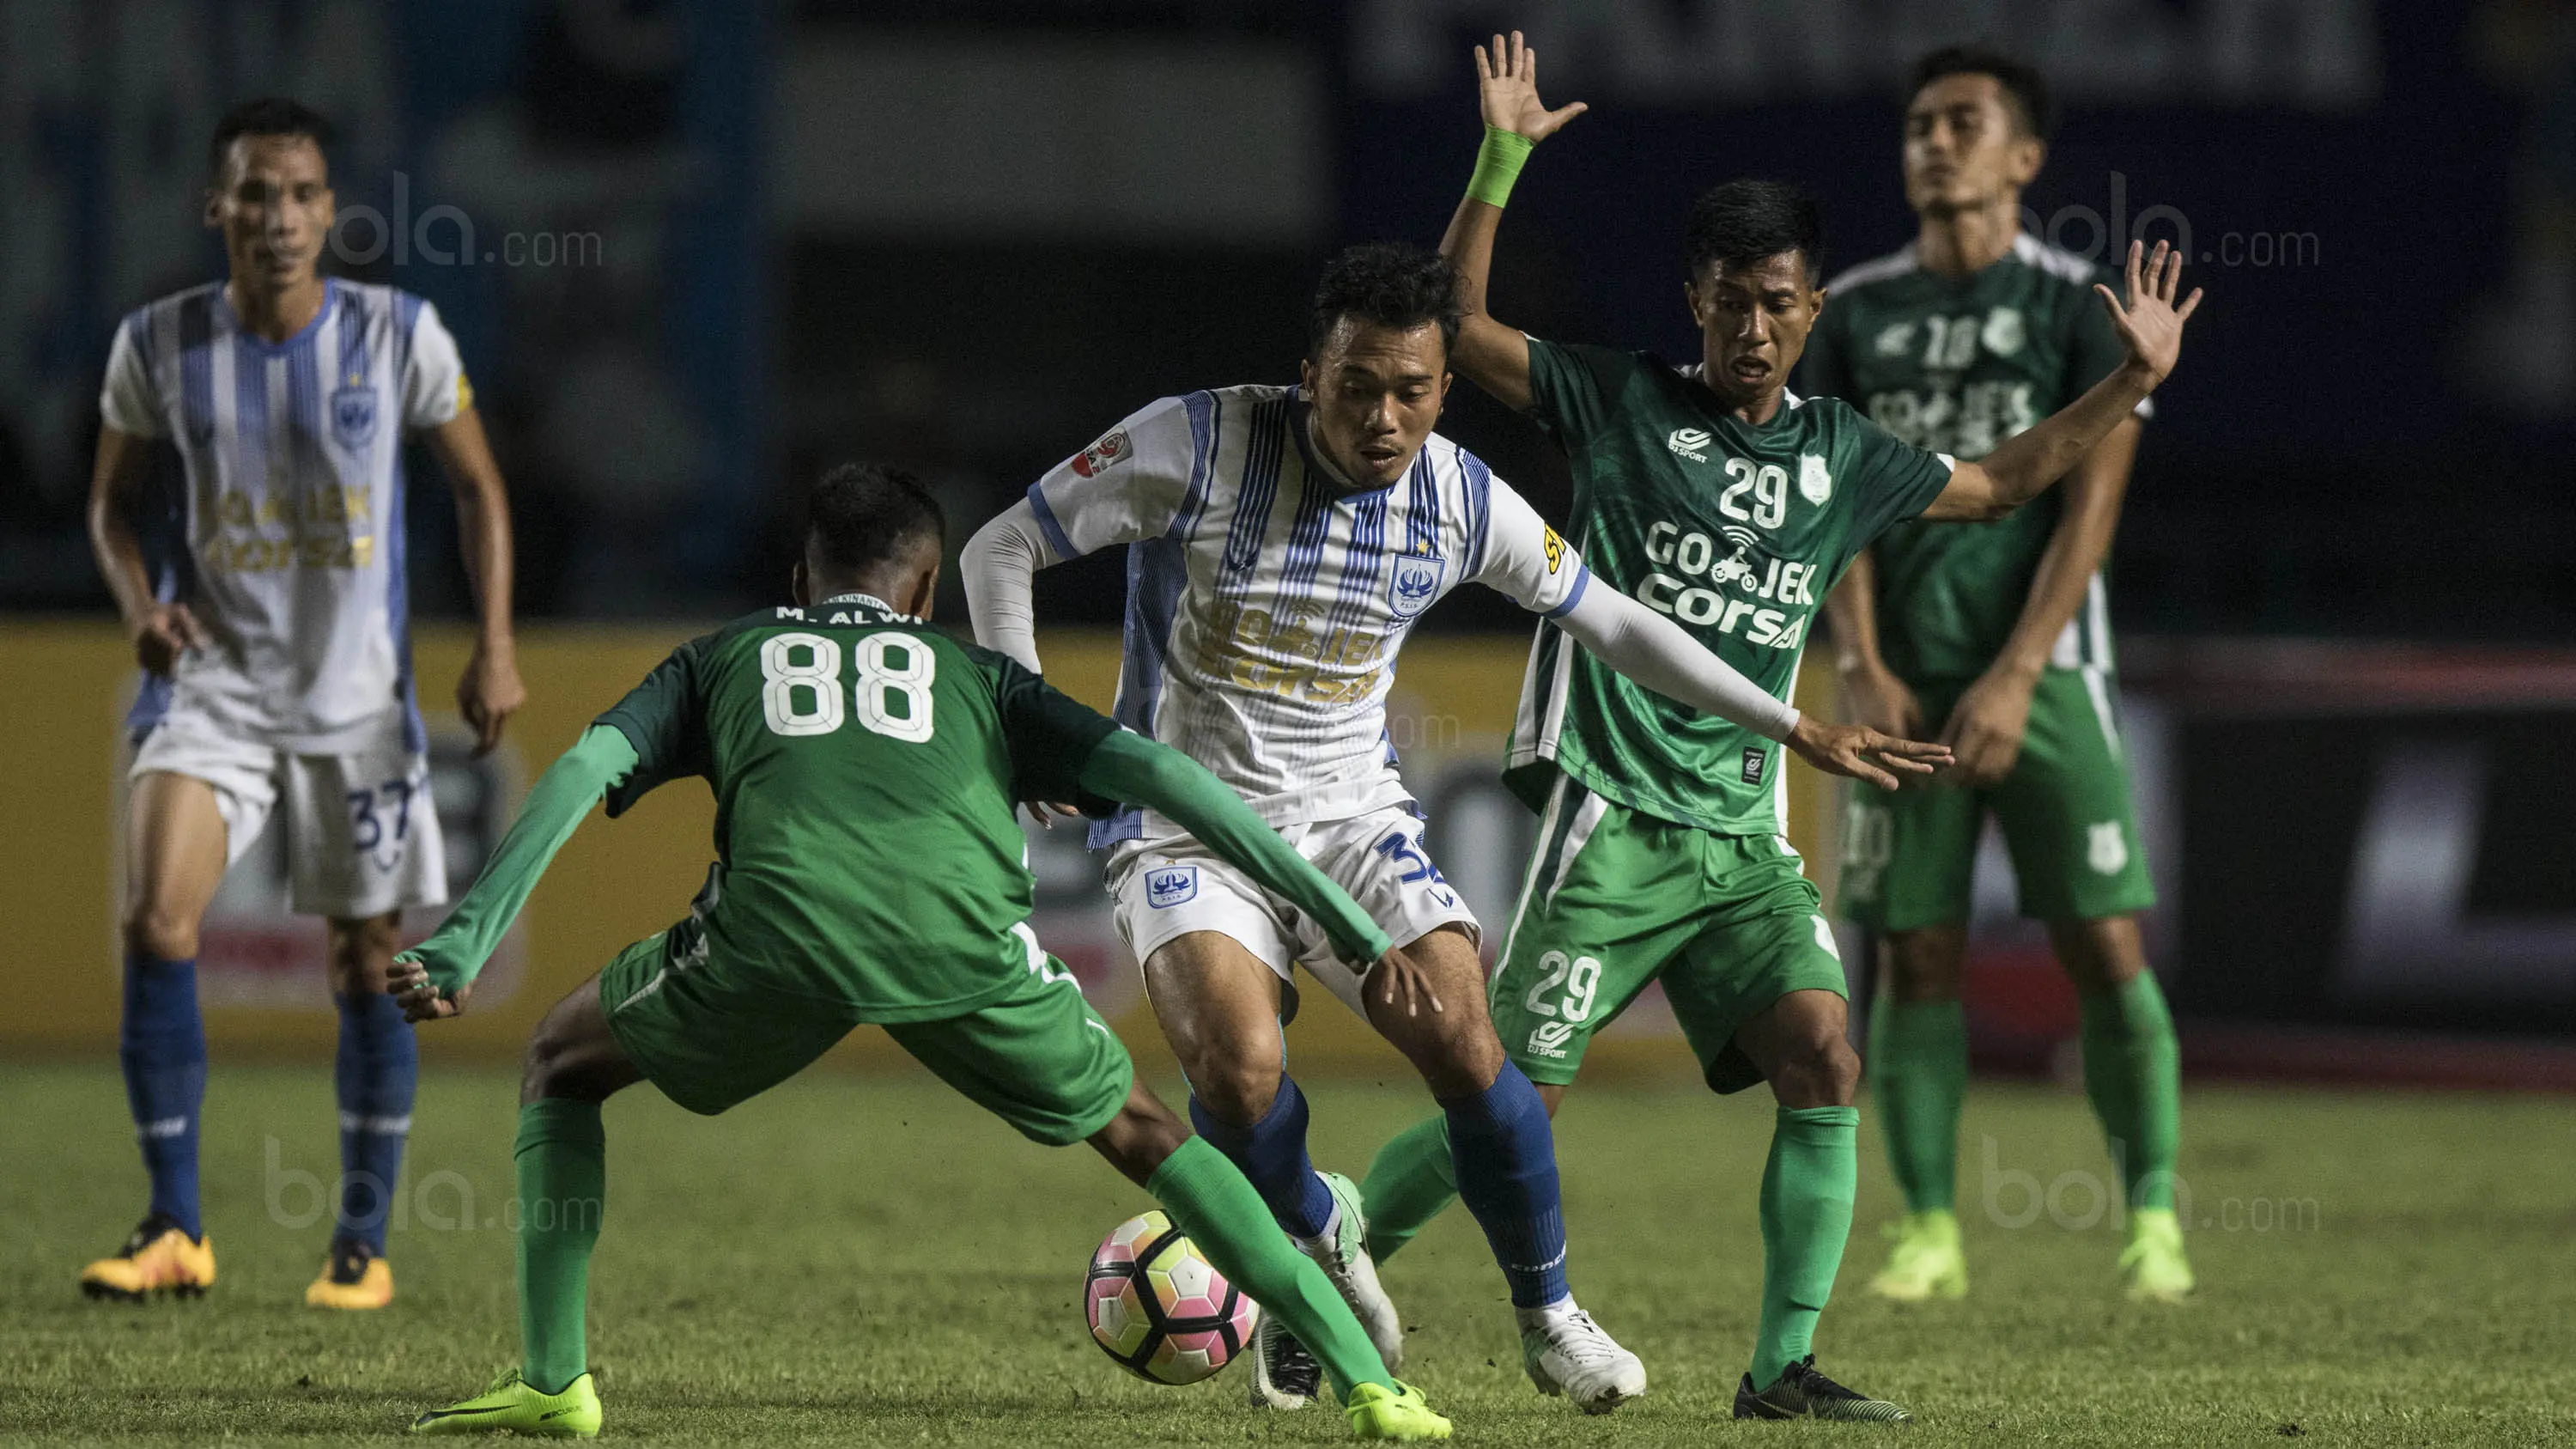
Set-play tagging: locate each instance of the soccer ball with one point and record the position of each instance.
(1160, 1308)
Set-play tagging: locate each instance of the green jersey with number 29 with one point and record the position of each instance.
(1960, 364)
(1737, 532)
(865, 769)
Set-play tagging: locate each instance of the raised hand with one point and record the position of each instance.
(1863, 753)
(2150, 325)
(1507, 91)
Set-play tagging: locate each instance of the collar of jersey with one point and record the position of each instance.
(857, 598)
(1300, 417)
(330, 299)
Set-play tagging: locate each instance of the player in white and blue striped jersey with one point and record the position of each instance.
(273, 625)
(1281, 543)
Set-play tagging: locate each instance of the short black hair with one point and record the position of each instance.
(1389, 285)
(267, 116)
(1739, 223)
(864, 514)
(2021, 84)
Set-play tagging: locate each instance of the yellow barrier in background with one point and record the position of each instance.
(66, 685)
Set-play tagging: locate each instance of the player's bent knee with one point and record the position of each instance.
(1817, 1071)
(162, 934)
(1235, 1090)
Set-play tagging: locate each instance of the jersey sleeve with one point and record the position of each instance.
(664, 718)
(1574, 389)
(1131, 482)
(128, 400)
(1526, 559)
(1049, 733)
(2095, 351)
(1893, 480)
(434, 388)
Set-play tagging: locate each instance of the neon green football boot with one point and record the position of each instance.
(1379, 1412)
(1926, 1262)
(511, 1406)
(2153, 1265)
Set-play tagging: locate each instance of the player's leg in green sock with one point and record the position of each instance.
(2133, 1074)
(1219, 1208)
(1918, 1061)
(1806, 1217)
(1918, 1070)
(563, 1188)
(1412, 1180)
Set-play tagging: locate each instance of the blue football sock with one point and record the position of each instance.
(1505, 1154)
(378, 1066)
(1272, 1153)
(162, 1046)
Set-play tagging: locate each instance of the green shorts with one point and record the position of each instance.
(1616, 898)
(2067, 816)
(1039, 1058)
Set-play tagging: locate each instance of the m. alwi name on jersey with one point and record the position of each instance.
(1733, 559)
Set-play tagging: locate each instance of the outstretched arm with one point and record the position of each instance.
(2150, 328)
(1661, 655)
(432, 979)
(1493, 356)
(1130, 768)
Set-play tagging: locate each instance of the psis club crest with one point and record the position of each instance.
(1415, 583)
(353, 416)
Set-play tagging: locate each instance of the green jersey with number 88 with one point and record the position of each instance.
(865, 769)
(1736, 531)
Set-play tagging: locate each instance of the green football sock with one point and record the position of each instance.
(1918, 1068)
(563, 1187)
(1412, 1181)
(1806, 1216)
(2133, 1073)
(1223, 1213)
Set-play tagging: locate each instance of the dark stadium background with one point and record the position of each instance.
(968, 237)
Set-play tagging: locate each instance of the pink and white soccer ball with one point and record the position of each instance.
(1160, 1308)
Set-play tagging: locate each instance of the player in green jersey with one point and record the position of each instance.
(1713, 494)
(868, 872)
(1997, 635)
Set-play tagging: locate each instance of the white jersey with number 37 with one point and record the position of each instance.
(1266, 599)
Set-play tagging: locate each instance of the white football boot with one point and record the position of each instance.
(1567, 1353)
(1341, 1250)
(1284, 1374)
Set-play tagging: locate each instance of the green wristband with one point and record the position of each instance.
(1498, 165)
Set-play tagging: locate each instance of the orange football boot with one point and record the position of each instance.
(352, 1277)
(158, 1257)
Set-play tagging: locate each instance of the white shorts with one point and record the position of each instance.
(361, 828)
(1167, 888)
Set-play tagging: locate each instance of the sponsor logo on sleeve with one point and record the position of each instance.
(1167, 886)
(1414, 583)
(2106, 847)
(1554, 543)
(1093, 461)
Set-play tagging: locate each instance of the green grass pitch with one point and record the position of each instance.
(858, 1259)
